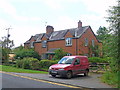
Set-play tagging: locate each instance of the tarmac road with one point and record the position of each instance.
(9, 81)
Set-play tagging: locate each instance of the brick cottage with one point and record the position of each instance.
(74, 41)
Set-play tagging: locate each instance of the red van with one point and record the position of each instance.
(69, 66)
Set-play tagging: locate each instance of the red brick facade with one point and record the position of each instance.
(78, 43)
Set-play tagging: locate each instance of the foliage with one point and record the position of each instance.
(114, 20)
(110, 78)
(59, 53)
(28, 63)
(19, 70)
(20, 54)
(112, 45)
(5, 56)
(99, 60)
(6, 44)
(47, 63)
(102, 32)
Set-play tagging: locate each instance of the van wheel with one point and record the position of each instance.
(86, 73)
(69, 74)
(53, 75)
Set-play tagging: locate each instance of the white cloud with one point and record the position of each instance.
(54, 4)
(9, 9)
(99, 6)
(64, 22)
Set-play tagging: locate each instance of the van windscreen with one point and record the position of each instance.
(66, 60)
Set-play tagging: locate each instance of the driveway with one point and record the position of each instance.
(91, 81)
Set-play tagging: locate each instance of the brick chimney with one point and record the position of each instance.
(79, 24)
(49, 29)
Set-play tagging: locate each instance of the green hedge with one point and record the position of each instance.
(28, 63)
(99, 60)
(47, 63)
(26, 53)
(34, 64)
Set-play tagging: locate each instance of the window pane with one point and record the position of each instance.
(68, 41)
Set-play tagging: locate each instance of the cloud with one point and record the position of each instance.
(99, 6)
(54, 4)
(64, 22)
(9, 9)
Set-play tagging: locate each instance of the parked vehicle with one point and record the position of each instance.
(69, 66)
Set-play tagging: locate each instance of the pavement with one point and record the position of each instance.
(91, 81)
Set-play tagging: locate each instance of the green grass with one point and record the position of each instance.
(19, 70)
(110, 78)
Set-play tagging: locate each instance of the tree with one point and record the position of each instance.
(59, 53)
(22, 53)
(114, 20)
(102, 33)
(113, 45)
(6, 44)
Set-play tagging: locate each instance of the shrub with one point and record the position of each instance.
(26, 53)
(99, 60)
(19, 63)
(47, 63)
(34, 64)
(28, 63)
(59, 53)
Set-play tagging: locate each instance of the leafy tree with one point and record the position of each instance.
(112, 45)
(22, 53)
(102, 33)
(114, 20)
(6, 44)
(59, 53)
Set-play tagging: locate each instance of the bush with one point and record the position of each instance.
(47, 63)
(110, 78)
(26, 53)
(59, 53)
(98, 60)
(28, 63)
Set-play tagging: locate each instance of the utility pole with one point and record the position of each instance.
(8, 35)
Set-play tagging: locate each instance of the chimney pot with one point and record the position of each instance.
(49, 29)
(79, 24)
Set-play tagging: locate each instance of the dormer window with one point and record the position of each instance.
(32, 44)
(68, 41)
(44, 44)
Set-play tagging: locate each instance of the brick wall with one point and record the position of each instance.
(78, 45)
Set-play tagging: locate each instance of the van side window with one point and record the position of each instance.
(77, 61)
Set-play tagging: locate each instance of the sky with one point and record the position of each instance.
(30, 17)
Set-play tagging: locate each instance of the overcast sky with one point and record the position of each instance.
(30, 17)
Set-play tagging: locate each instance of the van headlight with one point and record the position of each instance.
(50, 67)
(61, 69)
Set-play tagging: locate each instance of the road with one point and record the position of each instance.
(10, 81)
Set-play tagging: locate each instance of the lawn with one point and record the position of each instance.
(19, 70)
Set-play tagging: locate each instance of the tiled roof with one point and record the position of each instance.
(57, 35)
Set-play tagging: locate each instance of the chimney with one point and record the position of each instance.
(79, 24)
(49, 29)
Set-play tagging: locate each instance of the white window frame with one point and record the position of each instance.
(86, 41)
(93, 43)
(68, 41)
(32, 44)
(44, 44)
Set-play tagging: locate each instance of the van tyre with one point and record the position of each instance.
(86, 72)
(69, 74)
(53, 75)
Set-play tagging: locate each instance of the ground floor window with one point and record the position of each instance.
(69, 54)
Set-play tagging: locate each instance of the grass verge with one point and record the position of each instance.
(110, 78)
(19, 70)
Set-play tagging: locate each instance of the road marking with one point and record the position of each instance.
(40, 80)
